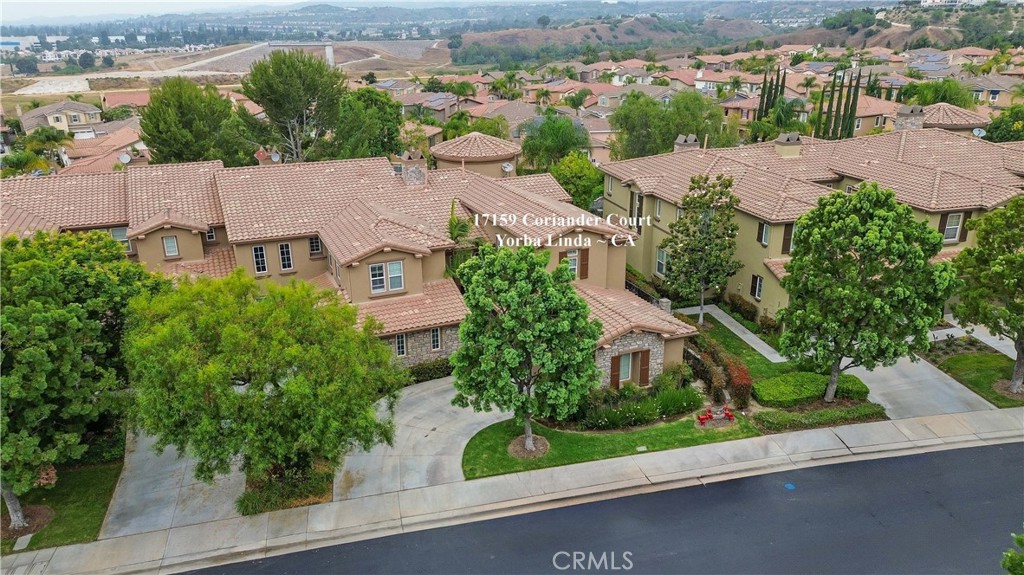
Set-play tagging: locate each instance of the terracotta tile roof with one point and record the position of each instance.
(326, 281)
(97, 155)
(71, 202)
(187, 189)
(868, 106)
(218, 262)
(687, 75)
(945, 115)
(475, 147)
(167, 217)
(945, 255)
(541, 184)
(777, 266)
(428, 130)
(14, 220)
(363, 228)
(136, 98)
(440, 304)
(621, 312)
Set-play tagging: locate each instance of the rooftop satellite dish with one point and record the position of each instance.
(979, 132)
(507, 167)
(275, 157)
(124, 158)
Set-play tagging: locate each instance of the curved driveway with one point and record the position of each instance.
(430, 434)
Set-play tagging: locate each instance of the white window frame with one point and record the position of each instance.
(849, 189)
(400, 276)
(878, 121)
(857, 124)
(123, 239)
(661, 263)
(626, 367)
(58, 119)
(211, 235)
(382, 277)
(956, 229)
(435, 339)
(315, 241)
(657, 208)
(400, 347)
(259, 253)
(284, 252)
(993, 96)
(760, 287)
(679, 212)
(765, 234)
(174, 240)
(74, 118)
(572, 257)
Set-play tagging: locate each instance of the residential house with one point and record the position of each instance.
(478, 153)
(612, 99)
(397, 86)
(136, 99)
(591, 72)
(953, 118)
(105, 153)
(969, 55)
(68, 116)
(945, 177)
(433, 134)
(440, 105)
(994, 89)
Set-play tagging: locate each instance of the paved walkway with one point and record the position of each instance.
(917, 389)
(737, 328)
(242, 538)
(430, 437)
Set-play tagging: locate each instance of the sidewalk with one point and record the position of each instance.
(182, 548)
(749, 337)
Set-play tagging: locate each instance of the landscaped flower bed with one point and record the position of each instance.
(775, 421)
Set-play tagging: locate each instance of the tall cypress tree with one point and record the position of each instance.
(853, 105)
(764, 94)
(835, 111)
(825, 116)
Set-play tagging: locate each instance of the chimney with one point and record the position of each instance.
(687, 142)
(414, 167)
(788, 145)
(910, 118)
(268, 158)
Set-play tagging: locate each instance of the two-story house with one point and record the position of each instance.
(68, 116)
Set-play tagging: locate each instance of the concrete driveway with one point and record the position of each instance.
(429, 438)
(917, 389)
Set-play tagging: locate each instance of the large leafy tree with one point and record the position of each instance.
(279, 376)
(1008, 126)
(369, 125)
(949, 90)
(646, 127)
(992, 276)
(182, 122)
(528, 343)
(63, 302)
(578, 175)
(301, 96)
(861, 286)
(701, 245)
(549, 140)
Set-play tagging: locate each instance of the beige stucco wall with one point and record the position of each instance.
(220, 239)
(489, 169)
(752, 254)
(597, 260)
(674, 351)
(303, 266)
(867, 124)
(356, 279)
(151, 249)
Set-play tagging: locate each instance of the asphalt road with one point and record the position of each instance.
(944, 512)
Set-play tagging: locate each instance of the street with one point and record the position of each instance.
(942, 512)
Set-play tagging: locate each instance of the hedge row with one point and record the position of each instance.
(777, 421)
(434, 369)
(801, 387)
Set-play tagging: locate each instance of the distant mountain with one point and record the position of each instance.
(322, 9)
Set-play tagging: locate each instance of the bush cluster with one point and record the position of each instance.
(769, 324)
(295, 487)
(740, 305)
(433, 369)
(631, 406)
(776, 421)
(675, 376)
(740, 382)
(800, 388)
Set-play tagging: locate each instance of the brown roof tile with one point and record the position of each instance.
(621, 312)
(440, 304)
(476, 147)
(943, 115)
(14, 220)
(187, 189)
(541, 184)
(72, 201)
(218, 262)
(777, 266)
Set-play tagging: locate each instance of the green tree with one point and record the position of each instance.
(369, 125)
(578, 175)
(701, 244)
(949, 90)
(691, 113)
(457, 125)
(640, 125)
(551, 139)
(23, 162)
(496, 126)
(117, 113)
(992, 279)
(433, 84)
(1013, 558)
(369, 78)
(86, 60)
(301, 96)
(280, 376)
(108, 61)
(64, 297)
(1007, 126)
(544, 21)
(27, 65)
(462, 90)
(182, 122)
(528, 343)
(576, 99)
(860, 283)
(46, 140)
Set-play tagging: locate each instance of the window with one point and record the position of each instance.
(573, 257)
(856, 125)
(400, 345)
(878, 121)
(787, 238)
(435, 338)
(315, 247)
(849, 189)
(170, 246)
(74, 118)
(395, 279)
(211, 235)
(625, 367)
(756, 284)
(259, 259)
(657, 208)
(57, 119)
(679, 212)
(377, 284)
(993, 96)
(977, 96)
(636, 209)
(662, 263)
(746, 114)
(121, 235)
(951, 231)
(763, 233)
(286, 256)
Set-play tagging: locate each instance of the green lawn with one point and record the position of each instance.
(760, 368)
(79, 501)
(978, 371)
(487, 452)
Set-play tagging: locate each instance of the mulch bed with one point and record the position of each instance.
(942, 350)
(518, 450)
(1002, 387)
(714, 423)
(38, 516)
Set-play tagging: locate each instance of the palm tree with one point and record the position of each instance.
(576, 99)
(47, 139)
(543, 96)
(462, 90)
(735, 83)
(570, 73)
(807, 83)
(971, 68)
(1016, 92)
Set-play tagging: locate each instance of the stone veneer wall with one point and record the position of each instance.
(629, 343)
(417, 345)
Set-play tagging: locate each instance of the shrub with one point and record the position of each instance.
(800, 388)
(768, 324)
(641, 411)
(740, 305)
(433, 369)
(675, 376)
(776, 421)
(678, 401)
(293, 489)
(740, 383)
